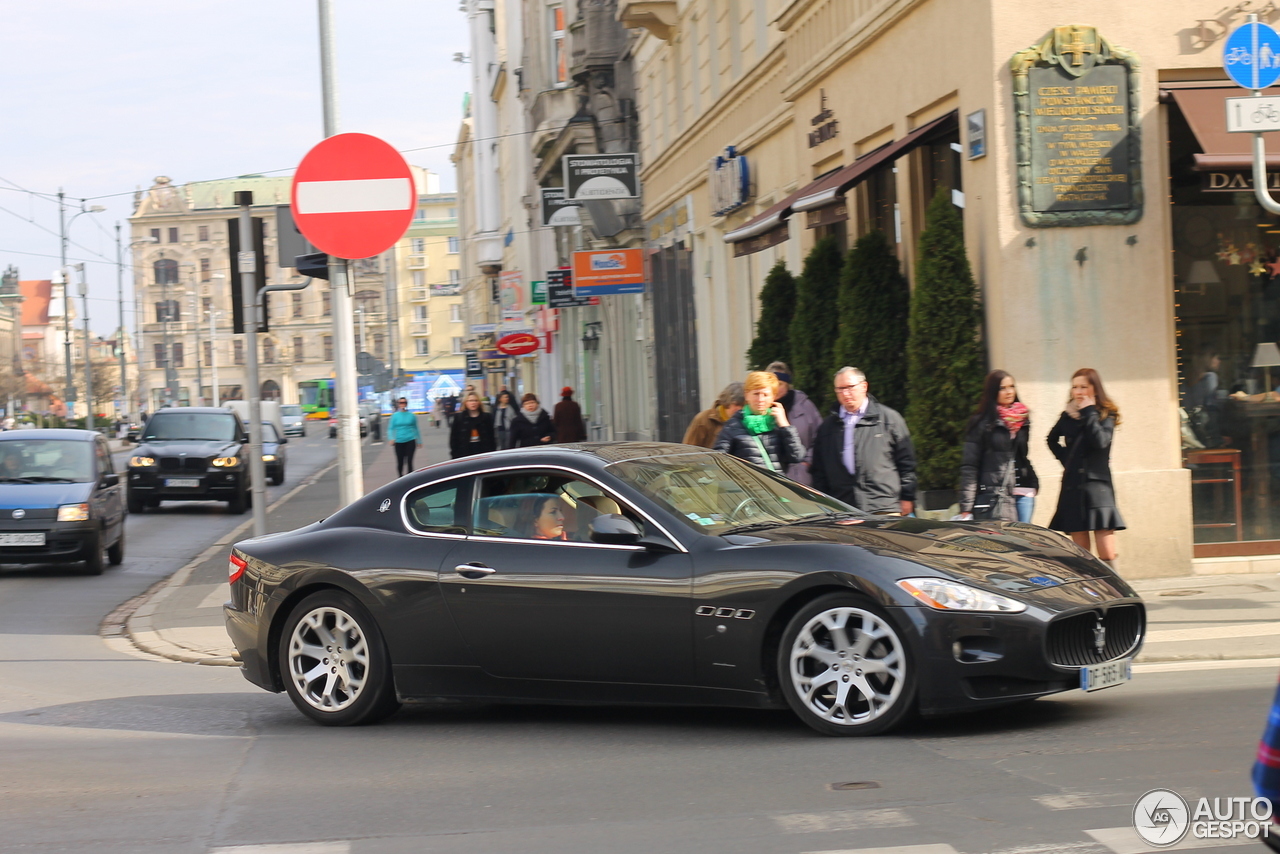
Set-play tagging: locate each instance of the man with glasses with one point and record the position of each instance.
(863, 453)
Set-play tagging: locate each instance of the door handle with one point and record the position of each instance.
(473, 571)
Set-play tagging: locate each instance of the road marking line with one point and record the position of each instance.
(1080, 801)
(335, 847)
(938, 848)
(1052, 848)
(1125, 840)
(359, 196)
(1249, 630)
(1215, 664)
(825, 822)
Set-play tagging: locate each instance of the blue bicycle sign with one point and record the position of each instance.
(1251, 56)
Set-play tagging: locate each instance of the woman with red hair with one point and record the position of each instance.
(1081, 440)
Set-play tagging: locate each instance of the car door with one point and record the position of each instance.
(106, 499)
(537, 603)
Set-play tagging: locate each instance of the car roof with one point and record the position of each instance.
(52, 433)
(194, 410)
(594, 455)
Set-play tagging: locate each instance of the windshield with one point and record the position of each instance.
(46, 461)
(198, 426)
(269, 432)
(717, 493)
(291, 410)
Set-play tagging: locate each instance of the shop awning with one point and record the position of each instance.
(765, 229)
(829, 190)
(1204, 107)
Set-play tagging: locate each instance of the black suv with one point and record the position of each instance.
(190, 454)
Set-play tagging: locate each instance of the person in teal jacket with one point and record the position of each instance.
(403, 432)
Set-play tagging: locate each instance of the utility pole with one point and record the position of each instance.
(247, 264)
(350, 471)
(69, 395)
(213, 354)
(195, 325)
(124, 382)
(88, 355)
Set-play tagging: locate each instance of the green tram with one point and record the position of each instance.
(316, 397)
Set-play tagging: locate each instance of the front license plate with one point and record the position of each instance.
(36, 539)
(182, 482)
(1099, 676)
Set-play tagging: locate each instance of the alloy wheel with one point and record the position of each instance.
(847, 666)
(328, 659)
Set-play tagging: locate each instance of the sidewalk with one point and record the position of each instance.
(1192, 620)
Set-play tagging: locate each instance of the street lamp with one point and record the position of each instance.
(64, 226)
(88, 354)
(124, 382)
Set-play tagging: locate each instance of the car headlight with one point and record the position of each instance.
(943, 595)
(141, 462)
(268, 458)
(226, 462)
(73, 513)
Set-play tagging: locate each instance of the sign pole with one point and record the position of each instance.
(247, 263)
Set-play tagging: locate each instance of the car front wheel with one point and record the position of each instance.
(844, 669)
(333, 662)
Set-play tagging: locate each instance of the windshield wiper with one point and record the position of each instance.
(753, 526)
(40, 478)
(16, 480)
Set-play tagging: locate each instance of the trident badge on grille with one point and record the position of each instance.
(1099, 635)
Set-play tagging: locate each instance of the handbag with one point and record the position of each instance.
(986, 500)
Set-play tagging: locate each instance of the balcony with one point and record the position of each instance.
(417, 262)
(657, 16)
(420, 327)
(419, 294)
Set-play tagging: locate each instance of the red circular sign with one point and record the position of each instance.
(517, 343)
(353, 196)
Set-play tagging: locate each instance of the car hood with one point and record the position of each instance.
(30, 496)
(191, 448)
(1027, 561)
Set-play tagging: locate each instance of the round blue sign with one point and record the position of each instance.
(1251, 56)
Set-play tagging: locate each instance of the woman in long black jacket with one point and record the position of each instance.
(1081, 440)
(472, 429)
(533, 427)
(995, 461)
(761, 433)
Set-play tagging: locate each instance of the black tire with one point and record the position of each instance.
(115, 551)
(239, 504)
(95, 563)
(152, 503)
(358, 688)
(278, 477)
(873, 663)
(134, 502)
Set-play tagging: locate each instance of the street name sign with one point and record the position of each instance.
(353, 196)
(598, 177)
(1252, 115)
(1251, 56)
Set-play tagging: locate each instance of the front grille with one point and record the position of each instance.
(183, 464)
(1072, 641)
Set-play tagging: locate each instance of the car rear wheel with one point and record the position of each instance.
(115, 552)
(843, 668)
(333, 662)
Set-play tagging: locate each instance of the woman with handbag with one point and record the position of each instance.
(997, 480)
(1082, 441)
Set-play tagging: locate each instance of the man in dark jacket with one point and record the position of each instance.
(568, 419)
(863, 453)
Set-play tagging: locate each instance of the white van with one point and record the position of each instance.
(270, 412)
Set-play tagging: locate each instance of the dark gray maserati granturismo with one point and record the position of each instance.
(666, 574)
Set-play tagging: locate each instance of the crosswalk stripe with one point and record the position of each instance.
(825, 822)
(1080, 801)
(901, 849)
(331, 847)
(1125, 840)
(1247, 630)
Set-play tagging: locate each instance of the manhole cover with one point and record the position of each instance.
(845, 787)
(1182, 593)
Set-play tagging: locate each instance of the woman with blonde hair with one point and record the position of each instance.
(1081, 440)
(761, 433)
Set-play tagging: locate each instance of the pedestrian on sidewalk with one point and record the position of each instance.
(863, 454)
(705, 427)
(472, 430)
(404, 435)
(568, 419)
(534, 426)
(760, 433)
(505, 413)
(802, 414)
(997, 480)
(1081, 440)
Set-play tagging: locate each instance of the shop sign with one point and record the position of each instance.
(1234, 182)
(772, 237)
(825, 125)
(976, 129)
(1077, 110)
(512, 294)
(537, 293)
(518, 344)
(609, 271)
(560, 291)
(827, 214)
(556, 211)
(591, 177)
(473, 365)
(730, 181)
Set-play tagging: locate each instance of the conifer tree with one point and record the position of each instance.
(813, 328)
(777, 306)
(945, 357)
(874, 303)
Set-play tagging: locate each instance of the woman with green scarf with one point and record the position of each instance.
(761, 433)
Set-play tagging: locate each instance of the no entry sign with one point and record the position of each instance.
(353, 196)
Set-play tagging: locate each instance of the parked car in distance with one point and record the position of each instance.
(270, 411)
(294, 419)
(190, 453)
(273, 456)
(333, 426)
(60, 499)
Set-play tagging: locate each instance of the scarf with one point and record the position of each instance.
(1014, 416)
(757, 424)
(532, 417)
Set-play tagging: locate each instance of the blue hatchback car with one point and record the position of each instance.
(60, 499)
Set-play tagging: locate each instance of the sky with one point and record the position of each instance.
(98, 97)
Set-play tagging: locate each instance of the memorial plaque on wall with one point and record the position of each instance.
(1078, 137)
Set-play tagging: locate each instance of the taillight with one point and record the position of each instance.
(235, 569)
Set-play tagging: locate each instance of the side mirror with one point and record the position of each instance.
(283, 441)
(110, 479)
(614, 530)
(244, 438)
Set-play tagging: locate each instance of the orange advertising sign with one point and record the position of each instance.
(608, 271)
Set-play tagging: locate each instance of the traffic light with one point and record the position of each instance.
(259, 276)
(315, 265)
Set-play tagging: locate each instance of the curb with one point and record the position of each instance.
(130, 624)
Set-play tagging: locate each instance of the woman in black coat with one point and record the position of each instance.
(533, 427)
(995, 466)
(1081, 440)
(472, 429)
(760, 433)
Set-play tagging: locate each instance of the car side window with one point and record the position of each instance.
(533, 505)
(439, 509)
(104, 458)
